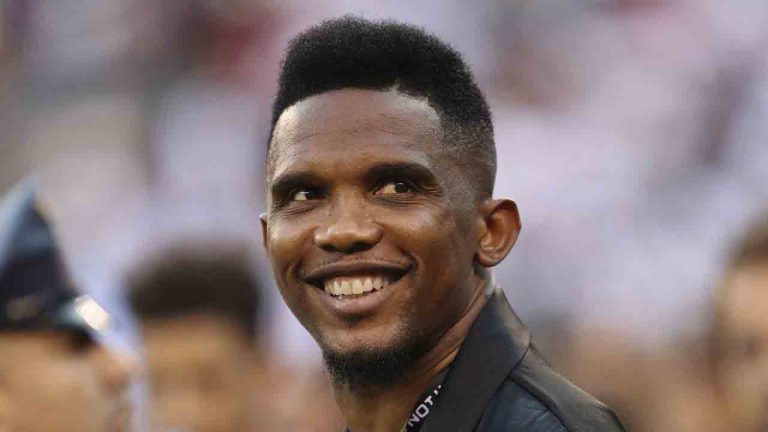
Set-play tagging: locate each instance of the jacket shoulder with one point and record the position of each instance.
(535, 398)
(513, 408)
(577, 410)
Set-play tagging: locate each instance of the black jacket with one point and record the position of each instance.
(499, 382)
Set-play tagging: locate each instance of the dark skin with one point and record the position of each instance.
(360, 184)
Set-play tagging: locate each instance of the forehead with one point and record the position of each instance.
(200, 337)
(350, 123)
(23, 346)
(745, 299)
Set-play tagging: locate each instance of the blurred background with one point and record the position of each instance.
(631, 133)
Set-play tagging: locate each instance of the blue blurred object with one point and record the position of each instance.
(35, 289)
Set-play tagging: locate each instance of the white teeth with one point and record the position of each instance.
(346, 287)
(357, 287)
(332, 287)
(351, 285)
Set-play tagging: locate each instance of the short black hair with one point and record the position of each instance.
(352, 52)
(180, 282)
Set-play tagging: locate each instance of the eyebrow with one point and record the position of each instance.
(409, 170)
(291, 180)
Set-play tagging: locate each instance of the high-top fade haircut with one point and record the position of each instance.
(352, 52)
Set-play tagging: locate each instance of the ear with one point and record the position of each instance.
(499, 227)
(263, 219)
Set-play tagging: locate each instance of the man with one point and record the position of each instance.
(55, 375)
(381, 229)
(741, 334)
(198, 315)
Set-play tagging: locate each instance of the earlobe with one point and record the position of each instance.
(500, 228)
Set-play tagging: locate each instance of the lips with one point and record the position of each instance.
(354, 279)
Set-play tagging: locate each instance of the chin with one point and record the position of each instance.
(365, 338)
(367, 368)
(372, 359)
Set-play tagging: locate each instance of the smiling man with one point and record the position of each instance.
(381, 228)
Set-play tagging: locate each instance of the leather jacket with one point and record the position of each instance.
(499, 382)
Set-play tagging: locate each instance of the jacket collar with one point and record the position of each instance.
(496, 343)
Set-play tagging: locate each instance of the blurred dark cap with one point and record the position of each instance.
(36, 292)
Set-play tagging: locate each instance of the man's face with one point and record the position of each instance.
(745, 343)
(60, 381)
(201, 374)
(372, 223)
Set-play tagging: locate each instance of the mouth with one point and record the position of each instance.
(357, 279)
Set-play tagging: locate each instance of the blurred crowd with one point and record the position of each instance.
(631, 133)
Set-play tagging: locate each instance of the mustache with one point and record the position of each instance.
(351, 265)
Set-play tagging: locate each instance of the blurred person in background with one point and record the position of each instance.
(651, 389)
(381, 229)
(741, 334)
(198, 309)
(55, 372)
(716, 386)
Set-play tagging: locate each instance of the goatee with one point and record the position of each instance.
(373, 368)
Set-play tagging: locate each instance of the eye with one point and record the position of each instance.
(306, 195)
(395, 187)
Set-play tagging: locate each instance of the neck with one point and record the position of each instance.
(386, 409)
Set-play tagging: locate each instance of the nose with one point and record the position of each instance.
(350, 229)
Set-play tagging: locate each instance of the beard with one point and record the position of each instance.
(369, 368)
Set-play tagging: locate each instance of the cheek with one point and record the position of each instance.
(440, 240)
(421, 228)
(289, 241)
(67, 391)
(286, 244)
(58, 379)
(440, 243)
